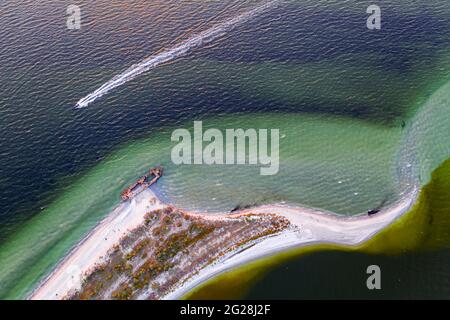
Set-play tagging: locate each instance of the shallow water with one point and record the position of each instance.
(337, 92)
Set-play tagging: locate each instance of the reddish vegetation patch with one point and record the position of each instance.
(168, 248)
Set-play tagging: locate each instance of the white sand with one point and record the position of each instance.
(86, 254)
(312, 226)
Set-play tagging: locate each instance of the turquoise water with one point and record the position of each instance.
(337, 93)
(426, 142)
(412, 275)
(343, 165)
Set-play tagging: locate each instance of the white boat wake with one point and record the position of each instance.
(179, 50)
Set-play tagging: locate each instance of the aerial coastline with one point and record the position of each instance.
(229, 150)
(282, 228)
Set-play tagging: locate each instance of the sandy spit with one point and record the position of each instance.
(311, 226)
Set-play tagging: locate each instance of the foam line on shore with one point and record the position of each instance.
(311, 226)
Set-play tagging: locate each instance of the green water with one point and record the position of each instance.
(342, 181)
(413, 255)
(318, 167)
(346, 164)
(426, 143)
(409, 276)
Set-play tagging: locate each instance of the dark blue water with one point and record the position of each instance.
(301, 57)
(46, 68)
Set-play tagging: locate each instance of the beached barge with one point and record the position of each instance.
(142, 183)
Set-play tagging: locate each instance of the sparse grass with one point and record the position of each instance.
(426, 227)
(169, 245)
